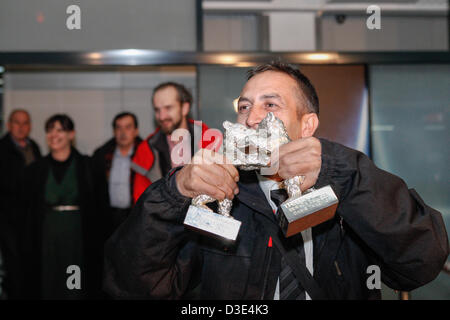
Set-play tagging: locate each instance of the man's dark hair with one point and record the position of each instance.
(307, 89)
(123, 115)
(183, 94)
(65, 121)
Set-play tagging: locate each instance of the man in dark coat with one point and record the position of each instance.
(113, 171)
(17, 151)
(10, 269)
(379, 224)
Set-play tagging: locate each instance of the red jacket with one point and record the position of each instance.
(152, 158)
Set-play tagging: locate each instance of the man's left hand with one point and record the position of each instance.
(302, 157)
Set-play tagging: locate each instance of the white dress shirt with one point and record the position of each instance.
(119, 180)
(268, 185)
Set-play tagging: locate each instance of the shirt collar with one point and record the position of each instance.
(27, 141)
(117, 152)
(268, 184)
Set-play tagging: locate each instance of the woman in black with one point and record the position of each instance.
(62, 239)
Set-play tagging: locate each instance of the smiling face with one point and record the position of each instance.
(57, 138)
(170, 113)
(277, 92)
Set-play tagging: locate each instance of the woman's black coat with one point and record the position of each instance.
(33, 210)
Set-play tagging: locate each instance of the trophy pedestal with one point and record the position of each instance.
(211, 223)
(308, 210)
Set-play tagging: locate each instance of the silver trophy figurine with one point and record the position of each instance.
(250, 149)
(247, 149)
(300, 212)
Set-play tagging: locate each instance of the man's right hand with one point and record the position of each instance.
(208, 173)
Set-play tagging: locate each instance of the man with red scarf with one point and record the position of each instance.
(171, 103)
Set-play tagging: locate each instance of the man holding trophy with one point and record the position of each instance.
(307, 230)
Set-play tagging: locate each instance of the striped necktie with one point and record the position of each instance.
(290, 288)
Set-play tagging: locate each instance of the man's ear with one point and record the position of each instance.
(185, 109)
(310, 123)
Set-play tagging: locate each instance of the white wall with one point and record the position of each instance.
(292, 31)
(40, 25)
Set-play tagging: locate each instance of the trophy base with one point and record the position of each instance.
(306, 211)
(211, 223)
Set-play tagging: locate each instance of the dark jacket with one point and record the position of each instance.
(10, 269)
(3, 294)
(379, 221)
(33, 200)
(102, 163)
(12, 167)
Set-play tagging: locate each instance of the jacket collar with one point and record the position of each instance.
(111, 144)
(73, 153)
(251, 194)
(12, 145)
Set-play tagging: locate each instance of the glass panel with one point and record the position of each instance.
(218, 87)
(410, 138)
(2, 118)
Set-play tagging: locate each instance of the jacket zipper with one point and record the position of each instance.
(338, 270)
(266, 272)
(342, 231)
